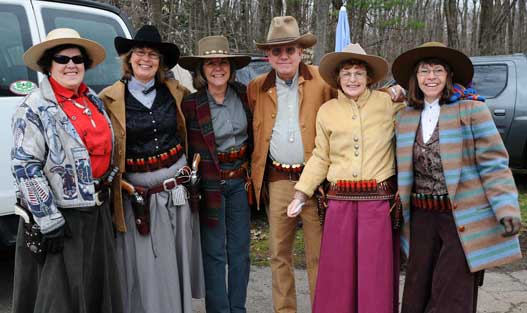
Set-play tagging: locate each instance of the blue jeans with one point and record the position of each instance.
(228, 243)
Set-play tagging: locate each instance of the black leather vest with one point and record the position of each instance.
(150, 132)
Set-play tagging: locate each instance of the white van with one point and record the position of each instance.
(24, 23)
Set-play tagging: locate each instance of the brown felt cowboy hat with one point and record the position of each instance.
(148, 36)
(283, 31)
(330, 61)
(213, 47)
(460, 64)
(63, 36)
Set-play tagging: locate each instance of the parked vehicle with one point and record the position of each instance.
(24, 23)
(500, 79)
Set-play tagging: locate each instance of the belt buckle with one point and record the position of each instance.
(167, 182)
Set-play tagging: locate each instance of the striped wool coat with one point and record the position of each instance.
(479, 181)
(201, 140)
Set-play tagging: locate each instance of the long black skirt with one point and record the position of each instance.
(83, 278)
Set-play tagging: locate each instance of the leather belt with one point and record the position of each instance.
(436, 203)
(363, 189)
(240, 172)
(166, 185)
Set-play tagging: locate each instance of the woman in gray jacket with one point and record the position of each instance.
(65, 259)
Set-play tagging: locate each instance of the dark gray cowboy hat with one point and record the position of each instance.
(213, 47)
(148, 36)
(460, 64)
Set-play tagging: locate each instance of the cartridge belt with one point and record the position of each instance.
(155, 162)
(232, 155)
(436, 203)
(240, 172)
(363, 189)
(279, 171)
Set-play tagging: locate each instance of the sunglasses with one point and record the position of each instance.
(63, 59)
(277, 51)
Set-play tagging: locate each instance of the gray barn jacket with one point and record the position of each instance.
(50, 163)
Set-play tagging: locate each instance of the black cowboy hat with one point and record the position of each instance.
(148, 36)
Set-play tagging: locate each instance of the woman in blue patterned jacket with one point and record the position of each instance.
(460, 203)
(63, 143)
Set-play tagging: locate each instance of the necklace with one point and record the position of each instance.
(84, 107)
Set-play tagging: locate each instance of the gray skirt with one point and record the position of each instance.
(163, 271)
(82, 278)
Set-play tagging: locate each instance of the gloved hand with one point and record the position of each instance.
(512, 226)
(295, 207)
(54, 240)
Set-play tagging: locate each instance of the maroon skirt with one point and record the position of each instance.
(359, 259)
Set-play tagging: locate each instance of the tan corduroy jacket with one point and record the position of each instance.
(113, 98)
(312, 91)
(355, 141)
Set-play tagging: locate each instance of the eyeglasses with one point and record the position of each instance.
(425, 72)
(151, 54)
(348, 75)
(277, 51)
(64, 59)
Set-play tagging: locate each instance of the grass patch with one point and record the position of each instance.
(260, 254)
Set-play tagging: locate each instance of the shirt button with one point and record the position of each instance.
(355, 138)
(354, 117)
(273, 115)
(157, 147)
(356, 153)
(461, 228)
(356, 146)
(150, 113)
(155, 139)
(153, 122)
(355, 175)
(155, 130)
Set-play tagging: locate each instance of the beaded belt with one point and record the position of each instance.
(232, 155)
(363, 189)
(155, 162)
(436, 203)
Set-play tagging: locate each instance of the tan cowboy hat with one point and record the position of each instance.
(330, 61)
(63, 36)
(403, 66)
(284, 30)
(213, 47)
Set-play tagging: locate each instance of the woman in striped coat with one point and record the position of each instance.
(460, 203)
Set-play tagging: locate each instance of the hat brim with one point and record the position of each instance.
(330, 61)
(237, 61)
(94, 50)
(169, 51)
(305, 41)
(461, 66)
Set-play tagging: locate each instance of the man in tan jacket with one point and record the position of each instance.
(285, 102)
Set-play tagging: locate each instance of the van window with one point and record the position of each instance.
(15, 38)
(490, 80)
(101, 29)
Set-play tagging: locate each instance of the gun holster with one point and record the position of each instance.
(141, 208)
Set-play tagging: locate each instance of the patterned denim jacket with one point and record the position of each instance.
(50, 163)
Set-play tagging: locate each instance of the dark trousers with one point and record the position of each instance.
(228, 244)
(438, 279)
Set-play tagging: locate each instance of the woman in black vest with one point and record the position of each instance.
(158, 243)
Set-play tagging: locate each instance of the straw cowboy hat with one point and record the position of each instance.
(62, 36)
(148, 36)
(330, 61)
(213, 47)
(284, 30)
(460, 64)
